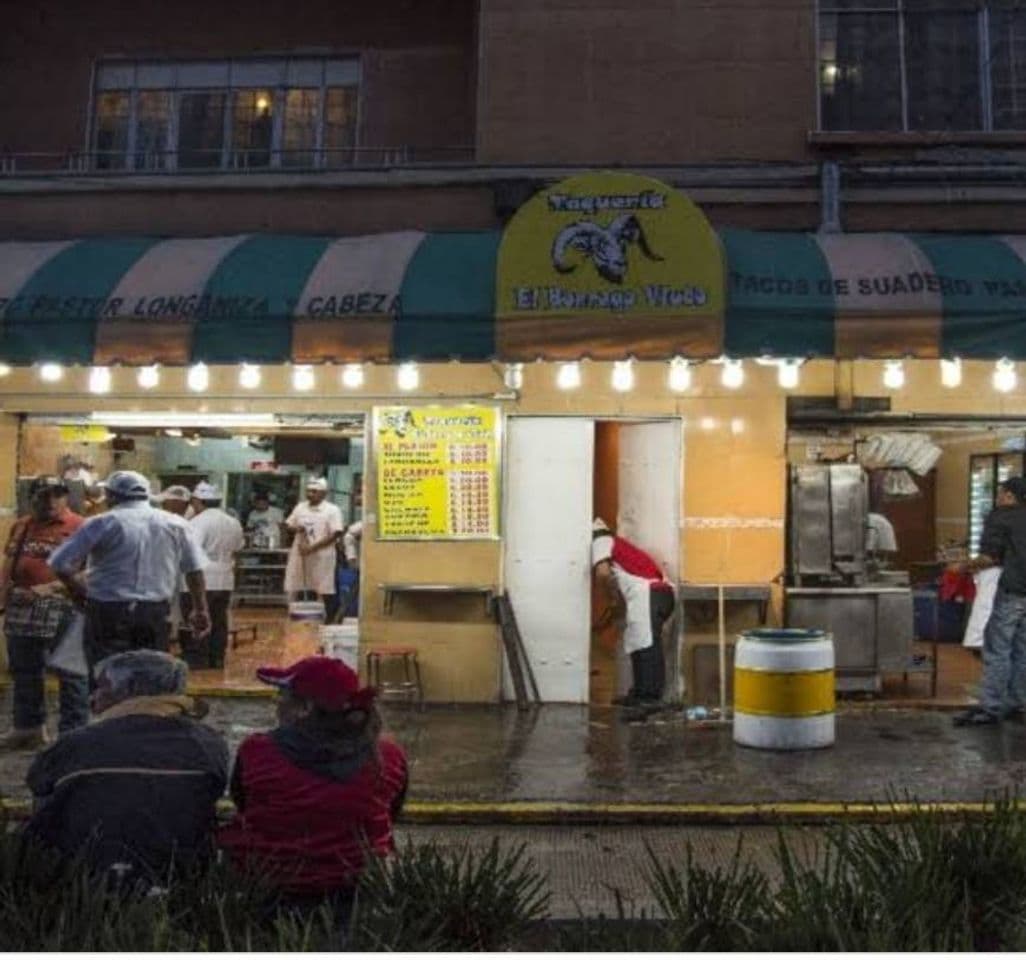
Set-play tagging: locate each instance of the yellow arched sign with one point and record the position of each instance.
(609, 265)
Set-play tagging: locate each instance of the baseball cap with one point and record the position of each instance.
(128, 485)
(47, 482)
(175, 492)
(324, 681)
(317, 483)
(206, 491)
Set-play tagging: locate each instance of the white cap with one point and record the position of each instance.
(206, 491)
(175, 492)
(317, 483)
(128, 485)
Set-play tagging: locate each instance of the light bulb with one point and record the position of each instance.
(737, 426)
(951, 372)
(408, 376)
(99, 380)
(5, 370)
(148, 377)
(352, 376)
(173, 432)
(198, 377)
(623, 376)
(707, 423)
(787, 374)
(1005, 378)
(894, 374)
(569, 376)
(303, 377)
(679, 378)
(513, 376)
(733, 374)
(51, 372)
(249, 376)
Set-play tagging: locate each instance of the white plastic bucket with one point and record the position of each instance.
(341, 641)
(310, 611)
(784, 689)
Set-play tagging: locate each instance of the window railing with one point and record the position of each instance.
(211, 162)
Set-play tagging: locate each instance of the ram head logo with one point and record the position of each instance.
(606, 247)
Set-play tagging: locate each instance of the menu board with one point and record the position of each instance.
(437, 472)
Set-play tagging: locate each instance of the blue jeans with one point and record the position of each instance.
(1004, 655)
(26, 660)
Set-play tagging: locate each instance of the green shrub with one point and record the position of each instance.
(429, 898)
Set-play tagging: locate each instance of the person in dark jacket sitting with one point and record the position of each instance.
(136, 790)
(317, 791)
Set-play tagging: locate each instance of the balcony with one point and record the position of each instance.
(115, 165)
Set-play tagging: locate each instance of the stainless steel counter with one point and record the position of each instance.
(871, 626)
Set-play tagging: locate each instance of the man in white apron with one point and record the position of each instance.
(317, 525)
(630, 574)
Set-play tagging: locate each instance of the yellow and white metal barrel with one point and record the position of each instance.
(784, 689)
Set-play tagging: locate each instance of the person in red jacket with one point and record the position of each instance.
(320, 790)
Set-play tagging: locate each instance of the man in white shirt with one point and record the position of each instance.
(264, 521)
(317, 525)
(133, 557)
(220, 537)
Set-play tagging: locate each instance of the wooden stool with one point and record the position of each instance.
(236, 634)
(410, 686)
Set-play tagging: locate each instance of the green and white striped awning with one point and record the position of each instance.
(431, 296)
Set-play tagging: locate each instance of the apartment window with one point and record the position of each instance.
(195, 115)
(113, 111)
(921, 65)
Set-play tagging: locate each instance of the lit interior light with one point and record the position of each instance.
(407, 376)
(148, 377)
(51, 372)
(352, 376)
(173, 419)
(99, 380)
(707, 423)
(303, 378)
(513, 376)
(5, 370)
(623, 376)
(569, 376)
(737, 426)
(1005, 378)
(192, 441)
(173, 432)
(894, 375)
(733, 374)
(249, 376)
(951, 372)
(198, 377)
(679, 378)
(788, 374)
(263, 103)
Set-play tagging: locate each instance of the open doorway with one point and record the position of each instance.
(561, 473)
(258, 467)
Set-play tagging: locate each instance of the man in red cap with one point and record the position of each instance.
(318, 790)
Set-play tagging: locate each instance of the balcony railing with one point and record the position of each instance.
(218, 160)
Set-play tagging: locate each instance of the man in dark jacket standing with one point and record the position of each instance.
(1003, 542)
(137, 789)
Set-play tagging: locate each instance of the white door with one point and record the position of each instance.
(649, 514)
(548, 549)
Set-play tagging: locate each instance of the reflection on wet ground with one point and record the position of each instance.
(582, 754)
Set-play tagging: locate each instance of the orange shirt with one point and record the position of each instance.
(40, 541)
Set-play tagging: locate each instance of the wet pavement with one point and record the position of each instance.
(589, 755)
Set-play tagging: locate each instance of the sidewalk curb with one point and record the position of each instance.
(545, 813)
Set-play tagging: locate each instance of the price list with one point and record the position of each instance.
(437, 470)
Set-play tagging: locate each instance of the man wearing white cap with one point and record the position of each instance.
(133, 557)
(220, 537)
(174, 499)
(317, 525)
